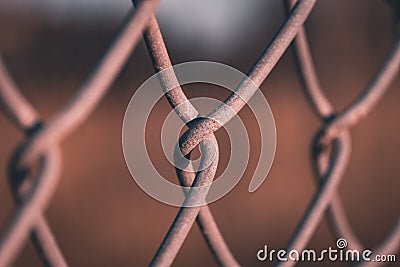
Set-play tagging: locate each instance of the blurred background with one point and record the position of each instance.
(98, 213)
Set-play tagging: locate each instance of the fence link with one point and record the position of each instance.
(35, 167)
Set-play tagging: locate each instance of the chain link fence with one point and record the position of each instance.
(35, 167)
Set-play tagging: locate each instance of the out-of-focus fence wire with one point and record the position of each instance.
(40, 152)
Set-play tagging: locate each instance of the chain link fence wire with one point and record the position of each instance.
(35, 167)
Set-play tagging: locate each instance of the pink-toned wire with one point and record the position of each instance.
(43, 144)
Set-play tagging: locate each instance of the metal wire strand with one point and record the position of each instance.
(186, 216)
(259, 72)
(328, 185)
(33, 192)
(370, 96)
(236, 101)
(176, 97)
(44, 144)
(15, 105)
(25, 116)
(257, 75)
(324, 110)
(27, 212)
(307, 73)
(336, 213)
(92, 91)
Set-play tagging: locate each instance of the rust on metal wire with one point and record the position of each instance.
(43, 146)
(33, 192)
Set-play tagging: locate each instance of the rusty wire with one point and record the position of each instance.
(331, 147)
(187, 113)
(42, 143)
(202, 129)
(25, 116)
(335, 129)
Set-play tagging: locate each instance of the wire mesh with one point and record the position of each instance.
(35, 167)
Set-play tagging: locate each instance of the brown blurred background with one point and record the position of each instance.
(102, 218)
